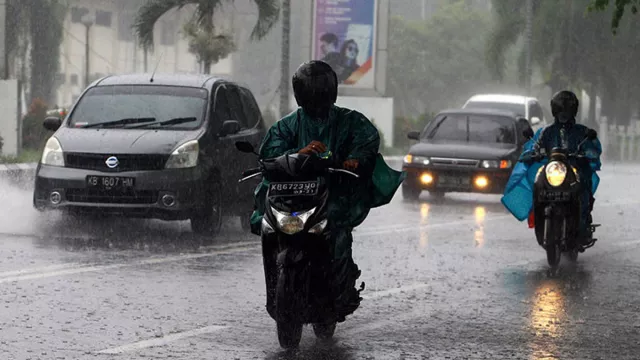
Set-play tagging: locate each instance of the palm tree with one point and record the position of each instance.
(205, 42)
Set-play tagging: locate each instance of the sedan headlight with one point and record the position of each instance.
(185, 156)
(496, 164)
(292, 223)
(411, 159)
(52, 154)
(556, 173)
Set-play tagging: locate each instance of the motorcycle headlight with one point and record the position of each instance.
(185, 156)
(556, 173)
(411, 159)
(292, 223)
(52, 154)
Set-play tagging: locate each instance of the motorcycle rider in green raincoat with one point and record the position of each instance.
(318, 127)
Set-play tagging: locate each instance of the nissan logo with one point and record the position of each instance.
(112, 162)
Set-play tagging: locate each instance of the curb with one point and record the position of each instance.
(18, 167)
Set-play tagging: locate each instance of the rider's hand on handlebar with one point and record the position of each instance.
(314, 147)
(351, 164)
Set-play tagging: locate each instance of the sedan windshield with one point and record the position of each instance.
(518, 109)
(157, 105)
(473, 128)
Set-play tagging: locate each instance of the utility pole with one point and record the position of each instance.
(424, 9)
(87, 49)
(285, 57)
(528, 30)
(4, 50)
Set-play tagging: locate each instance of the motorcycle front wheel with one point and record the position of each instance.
(553, 236)
(324, 331)
(289, 334)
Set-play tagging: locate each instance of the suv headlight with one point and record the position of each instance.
(292, 223)
(52, 154)
(185, 156)
(556, 173)
(495, 164)
(411, 159)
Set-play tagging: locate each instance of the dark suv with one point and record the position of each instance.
(160, 147)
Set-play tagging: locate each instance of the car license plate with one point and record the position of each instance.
(306, 188)
(454, 181)
(110, 182)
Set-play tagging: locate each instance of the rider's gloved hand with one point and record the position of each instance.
(351, 164)
(314, 147)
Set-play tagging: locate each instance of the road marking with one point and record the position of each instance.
(162, 341)
(401, 289)
(71, 271)
(39, 269)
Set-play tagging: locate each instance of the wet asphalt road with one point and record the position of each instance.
(458, 279)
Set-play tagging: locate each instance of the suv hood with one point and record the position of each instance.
(122, 141)
(463, 150)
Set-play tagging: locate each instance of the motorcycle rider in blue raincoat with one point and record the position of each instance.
(518, 195)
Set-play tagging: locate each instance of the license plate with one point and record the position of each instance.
(454, 181)
(555, 196)
(306, 188)
(110, 182)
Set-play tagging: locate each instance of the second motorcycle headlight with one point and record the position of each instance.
(292, 223)
(556, 173)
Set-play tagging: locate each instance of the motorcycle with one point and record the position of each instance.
(556, 199)
(296, 246)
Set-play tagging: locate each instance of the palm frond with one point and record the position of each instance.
(268, 15)
(149, 14)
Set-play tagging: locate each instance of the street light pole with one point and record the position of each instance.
(284, 60)
(87, 24)
(528, 40)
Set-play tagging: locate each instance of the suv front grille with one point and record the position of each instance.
(467, 163)
(111, 197)
(126, 162)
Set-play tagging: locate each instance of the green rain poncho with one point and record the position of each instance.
(355, 138)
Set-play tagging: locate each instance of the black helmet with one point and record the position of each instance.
(564, 104)
(315, 87)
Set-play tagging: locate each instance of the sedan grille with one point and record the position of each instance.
(467, 163)
(126, 162)
(111, 197)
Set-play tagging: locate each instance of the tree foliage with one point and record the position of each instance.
(205, 39)
(434, 64)
(574, 49)
(618, 12)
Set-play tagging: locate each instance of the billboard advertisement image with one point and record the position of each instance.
(344, 37)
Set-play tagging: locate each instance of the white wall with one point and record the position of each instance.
(113, 48)
(9, 121)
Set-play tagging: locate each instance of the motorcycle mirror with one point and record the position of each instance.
(245, 147)
(592, 134)
(528, 133)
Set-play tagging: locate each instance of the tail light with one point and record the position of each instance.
(532, 220)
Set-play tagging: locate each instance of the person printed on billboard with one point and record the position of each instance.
(349, 59)
(329, 48)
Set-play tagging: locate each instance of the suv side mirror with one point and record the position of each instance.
(52, 123)
(230, 127)
(245, 147)
(527, 133)
(414, 135)
(535, 120)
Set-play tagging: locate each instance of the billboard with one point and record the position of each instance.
(344, 36)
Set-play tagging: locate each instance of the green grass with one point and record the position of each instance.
(25, 156)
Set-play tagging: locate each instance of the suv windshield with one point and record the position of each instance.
(518, 109)
(473, 128)
(105, 104)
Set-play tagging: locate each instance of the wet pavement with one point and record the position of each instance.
(452, 279)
